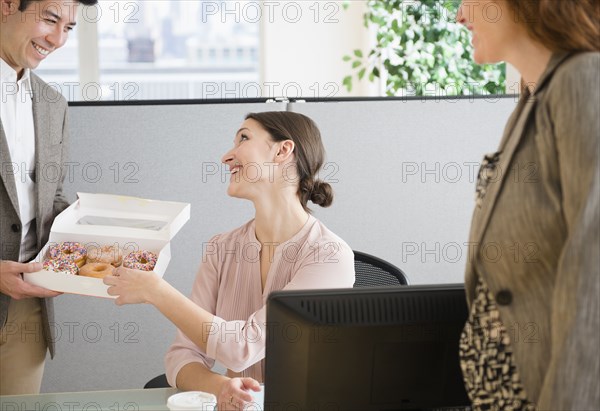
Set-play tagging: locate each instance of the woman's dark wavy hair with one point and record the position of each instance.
(309, 151)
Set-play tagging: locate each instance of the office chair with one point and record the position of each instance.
(372, 271)
(159, 381)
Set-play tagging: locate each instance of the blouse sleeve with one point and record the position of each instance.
(204, 293)
(240, 344)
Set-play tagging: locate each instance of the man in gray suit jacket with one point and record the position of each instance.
(33, 150)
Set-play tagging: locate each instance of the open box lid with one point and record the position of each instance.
(115, 215)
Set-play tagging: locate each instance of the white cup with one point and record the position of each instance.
(192, 400)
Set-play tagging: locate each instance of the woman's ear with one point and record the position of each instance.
(286, 149)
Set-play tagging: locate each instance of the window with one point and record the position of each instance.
(160, 49)
(203, 49)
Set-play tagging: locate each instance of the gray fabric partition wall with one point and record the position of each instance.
(403, 174)
(404, 177)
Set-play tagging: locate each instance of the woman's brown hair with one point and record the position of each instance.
(309, 151)
(561, 25)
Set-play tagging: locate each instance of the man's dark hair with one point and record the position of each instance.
(25, 3)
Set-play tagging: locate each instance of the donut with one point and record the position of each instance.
(107, 254)
(61, 265)
(97, 270)
(68, 250)
(140, 260)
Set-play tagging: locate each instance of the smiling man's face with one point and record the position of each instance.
(29, 36)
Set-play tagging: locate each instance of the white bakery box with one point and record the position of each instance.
(95, 220)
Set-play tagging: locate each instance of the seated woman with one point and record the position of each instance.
(274, 163)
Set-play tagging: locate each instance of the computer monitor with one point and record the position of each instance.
(393, 348)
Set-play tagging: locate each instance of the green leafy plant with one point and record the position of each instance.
(422, 51)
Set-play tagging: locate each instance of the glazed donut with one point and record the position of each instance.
(107, 254)
(140, 260)
(61, 265)
(97, 270)
(70, 251)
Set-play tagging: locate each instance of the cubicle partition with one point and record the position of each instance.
(403, 172)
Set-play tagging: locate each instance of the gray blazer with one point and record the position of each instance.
(535, 235)
(51, 148)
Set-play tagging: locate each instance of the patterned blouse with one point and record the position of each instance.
(491, 379)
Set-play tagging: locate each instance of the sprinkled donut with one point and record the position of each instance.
(97, 270)
(61, 265)
(69, 251)
(140, 260)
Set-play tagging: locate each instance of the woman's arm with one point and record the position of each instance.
(195, 322)
(135, 287)
(196, 377)
(571, 380)
(217, 338)
(235, 344)
(239, 344)
(231, 393)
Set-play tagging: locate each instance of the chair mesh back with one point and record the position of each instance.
(368, 275)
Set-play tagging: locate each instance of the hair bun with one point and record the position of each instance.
(321, 193)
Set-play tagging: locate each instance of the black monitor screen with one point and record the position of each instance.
(393, 348)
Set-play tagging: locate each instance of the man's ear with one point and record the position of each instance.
(286, 149)
(9, 7)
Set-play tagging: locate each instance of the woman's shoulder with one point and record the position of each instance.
(574, 86)
(319, 229)
(583, 60)
(321, 237)
(236, 235)
(577, 71)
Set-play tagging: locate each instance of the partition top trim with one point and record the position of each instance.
(276, 101)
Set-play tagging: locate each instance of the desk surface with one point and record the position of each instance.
(124, 400)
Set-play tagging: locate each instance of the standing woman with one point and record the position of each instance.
(273, 163)
(532, 279)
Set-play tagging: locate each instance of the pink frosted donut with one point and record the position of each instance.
(69, 251)
(107, 254)
(61, 265)
(140, 260)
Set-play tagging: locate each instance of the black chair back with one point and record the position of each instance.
(158, 382)
(372, 271)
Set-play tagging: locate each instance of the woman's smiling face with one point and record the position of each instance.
(495, 31)
(251, 160)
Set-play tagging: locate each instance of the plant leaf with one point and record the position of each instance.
(347, 82)
(422, 46)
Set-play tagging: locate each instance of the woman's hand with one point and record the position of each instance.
(133, 286)
(234, 393)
